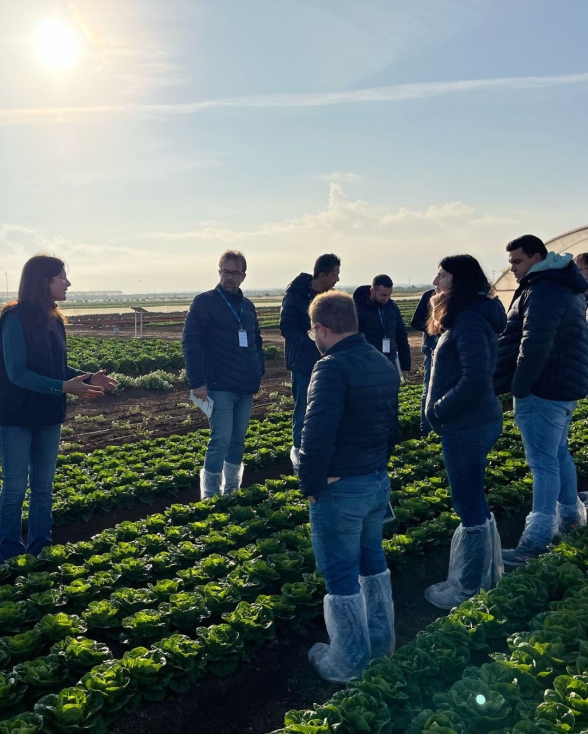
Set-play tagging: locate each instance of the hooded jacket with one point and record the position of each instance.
(461, 394)
(211, 343)
(301, 351)
(544, 349)
(377, 322)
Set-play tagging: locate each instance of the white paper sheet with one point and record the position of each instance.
(205, 406)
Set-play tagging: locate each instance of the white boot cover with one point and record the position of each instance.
(380, 612)
(295, 459)
(471, 566)
(348, 652)
(233, 475)
(497, 564)
(210, 484)
(570, 517)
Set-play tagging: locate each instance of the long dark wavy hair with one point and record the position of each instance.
(33, 291)
(469, 283)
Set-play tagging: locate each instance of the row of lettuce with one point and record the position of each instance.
(120, 476)
(511, 660)
(132, 357)
(188, 592)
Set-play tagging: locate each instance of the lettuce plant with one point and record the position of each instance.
(26, 723)
(54, 627)
(79, 654)
(72, 711)
(44, 673)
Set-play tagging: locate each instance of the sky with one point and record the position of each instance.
(391, 132)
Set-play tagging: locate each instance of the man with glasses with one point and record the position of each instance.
(301, 352)
(350, 430)
(224, 363)
(581, 261)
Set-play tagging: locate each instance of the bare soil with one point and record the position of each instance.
(135, 414)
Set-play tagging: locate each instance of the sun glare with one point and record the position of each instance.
(56, 44)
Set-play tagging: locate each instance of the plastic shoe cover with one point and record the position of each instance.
(497, 563)
(348, 653)
(233, 475)
(537, 535)
(295, 459)
(380, 612)
(472, 563)
(570, 516)
(210, 484)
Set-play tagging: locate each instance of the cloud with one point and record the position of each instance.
(342, 177)
(370, 238)
(397, 93)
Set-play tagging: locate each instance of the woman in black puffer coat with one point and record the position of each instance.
(462, 408)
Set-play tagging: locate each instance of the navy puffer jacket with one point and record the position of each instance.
(377, 322)
(461, 393)
(301, 352)
(419, 321)
(544, 348)
(351, 423)
(211, 344)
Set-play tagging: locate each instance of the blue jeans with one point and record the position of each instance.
(300, 383)
(29, 456)
(228, 425)
(465, 455)
(346, 523)
(544, 426)
(427, 361)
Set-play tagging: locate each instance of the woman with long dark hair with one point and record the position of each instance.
(462, 408)
(34, 381)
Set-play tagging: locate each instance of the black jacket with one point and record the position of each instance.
(351, 423)
(211, 344)
(419, 321)
(377, 322)
(544, 348)
(461, 393)
(47, 356)
(301, 352)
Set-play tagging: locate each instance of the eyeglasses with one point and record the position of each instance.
(310, 333)
(233, 273)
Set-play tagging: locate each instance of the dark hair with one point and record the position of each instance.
(33, 290)
(469, 283)
(581, 258)
(325, 264)
(335, 310)
(529, 244)
(233, 255)
(384, 281)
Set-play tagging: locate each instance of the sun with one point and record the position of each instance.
(56, 44)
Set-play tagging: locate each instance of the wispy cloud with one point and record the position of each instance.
(397, 93)
(342, 177)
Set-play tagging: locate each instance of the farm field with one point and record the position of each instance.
(154, 609)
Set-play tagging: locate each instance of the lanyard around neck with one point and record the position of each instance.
(382, 320)
(238, 316)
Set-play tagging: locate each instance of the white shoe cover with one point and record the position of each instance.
(233, 475)
(570, 517)
(475, 563)
(348, 653)
(380, 612)
(210, 484)
(295, 459)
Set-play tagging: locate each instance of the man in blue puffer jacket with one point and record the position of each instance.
(301, 352)
(350, 430)
(543, 360)
(224, 362)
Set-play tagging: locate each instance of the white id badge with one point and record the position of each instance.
(385, 346)
(243, 338)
